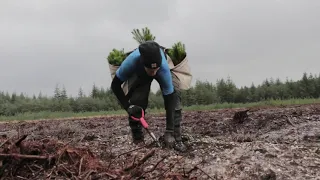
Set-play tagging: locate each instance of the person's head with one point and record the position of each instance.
(150, 57)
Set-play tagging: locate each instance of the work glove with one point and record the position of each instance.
(169, 139)
(135, 111)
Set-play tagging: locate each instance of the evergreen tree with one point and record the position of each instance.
(57, 92)
(94, 92)
(63, 95)
(80, 93)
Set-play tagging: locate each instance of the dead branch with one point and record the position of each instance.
(172, 165)
(205, 173)
(80, 166)
(289, 121)
(4, 143)
(175, 176)
(123, 154)
(155, 166)
(99, 176)
(24, 156)
(187, 174)
(140, 162)
(20, 140)
(190, 171)
(20, 177)
(89, 173)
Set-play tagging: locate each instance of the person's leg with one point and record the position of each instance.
(178, 116)
(139, 97)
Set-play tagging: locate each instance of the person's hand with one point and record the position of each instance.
(169, 140)
(135, 111)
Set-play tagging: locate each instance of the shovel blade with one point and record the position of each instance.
(154, 138)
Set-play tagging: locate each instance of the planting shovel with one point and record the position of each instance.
(146, 127)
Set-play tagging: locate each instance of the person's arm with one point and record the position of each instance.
(122, 74)
(117, 90)
(164, 79)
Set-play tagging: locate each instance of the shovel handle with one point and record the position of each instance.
(144, 123)
(142, 120)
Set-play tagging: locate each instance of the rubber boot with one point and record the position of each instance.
(136, 132)
(177, 131)
(169, 139)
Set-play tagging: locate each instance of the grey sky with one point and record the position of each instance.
(43, 43)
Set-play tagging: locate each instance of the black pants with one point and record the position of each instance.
(139, 95)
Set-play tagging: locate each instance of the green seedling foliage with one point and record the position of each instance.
(143, 35)
(116, 57)
(177, 53)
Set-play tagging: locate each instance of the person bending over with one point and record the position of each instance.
(142, 66)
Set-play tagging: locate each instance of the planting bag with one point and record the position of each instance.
(113, 70)
(181, 71)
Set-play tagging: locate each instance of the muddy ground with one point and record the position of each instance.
(273, 143)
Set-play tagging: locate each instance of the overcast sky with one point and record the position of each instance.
(45, 42)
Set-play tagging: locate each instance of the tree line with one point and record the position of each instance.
(202, 93)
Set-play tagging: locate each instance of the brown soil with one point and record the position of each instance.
(272, 143)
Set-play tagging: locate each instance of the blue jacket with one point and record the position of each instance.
(132, 65)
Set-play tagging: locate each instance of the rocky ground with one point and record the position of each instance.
(272, 143)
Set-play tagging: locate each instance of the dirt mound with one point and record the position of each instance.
(261, 143)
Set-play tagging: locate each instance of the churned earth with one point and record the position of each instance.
(272, 143)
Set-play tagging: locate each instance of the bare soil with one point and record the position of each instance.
(272, 143)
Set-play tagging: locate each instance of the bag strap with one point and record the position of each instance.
(164, 51)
